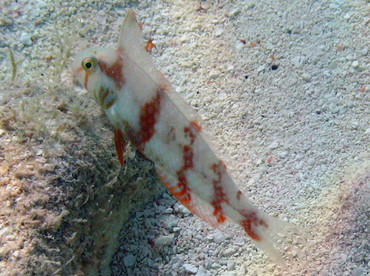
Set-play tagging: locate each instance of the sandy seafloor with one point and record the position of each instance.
(284, 87)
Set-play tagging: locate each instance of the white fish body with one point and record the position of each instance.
(144, 109)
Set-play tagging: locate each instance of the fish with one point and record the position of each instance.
(145, 110)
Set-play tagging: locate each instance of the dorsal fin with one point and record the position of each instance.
(131, 41)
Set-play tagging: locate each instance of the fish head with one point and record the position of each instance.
(99, 70)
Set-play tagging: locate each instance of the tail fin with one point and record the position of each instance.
(265, 234)
(260, 227)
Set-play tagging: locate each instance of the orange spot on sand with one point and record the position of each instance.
(149, 46)
(340, 47)
(252, 44)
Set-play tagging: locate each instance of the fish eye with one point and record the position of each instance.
(88, 64)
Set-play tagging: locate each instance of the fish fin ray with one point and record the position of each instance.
(196, 205)
(261, 228)
(120, 145)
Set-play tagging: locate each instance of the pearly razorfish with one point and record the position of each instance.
(144, 109)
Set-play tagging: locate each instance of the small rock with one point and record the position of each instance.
(241, 271)
(323, 273)
(162, 240)
(234, 12)
(311, 161)
(215, 266)
(213, 75)
(228, 252)
(251, 6)
(239, 241)
(171, 221)
(228, 273)
(334, 108)
(294, 253)
(306, 77)
(355, 125)
(273, 145)
(364, 51)
(219, 32)
(355, 64)
(358, 271)
(190, 268)
(261, 69)
(298, 61)
(25, 39)
(299, 166)
(283, 154)
(176, 263)
(168, 211)
(230, 265)
(2, 132)
(202, 272)
(270, 60)
(182, 209)
(129, 260)
(219, 237)
(347, 16)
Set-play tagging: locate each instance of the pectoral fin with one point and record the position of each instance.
(120, 145)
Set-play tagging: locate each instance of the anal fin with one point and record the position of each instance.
(191, 201)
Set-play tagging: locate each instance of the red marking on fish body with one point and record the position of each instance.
(184, 195)
(132, 136)
(218, 194)
(181, 191)
(190, 134)
(250, 220)
(148, 119)
(238, 195)
(183, 185)
(188, 157)
(218, 211)
(114, 71)
(247, 226)
(195, 124)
